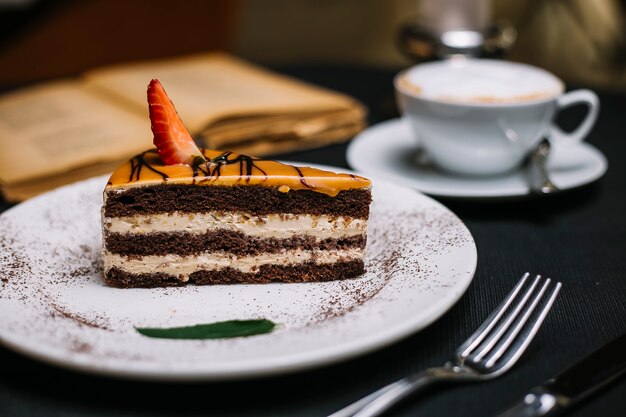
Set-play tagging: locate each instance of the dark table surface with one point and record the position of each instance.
(578, 237)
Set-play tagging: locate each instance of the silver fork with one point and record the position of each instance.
(491, 351)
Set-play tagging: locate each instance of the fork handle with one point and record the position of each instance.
(380, 401)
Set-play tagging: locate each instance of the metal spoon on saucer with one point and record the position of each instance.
(538, 178)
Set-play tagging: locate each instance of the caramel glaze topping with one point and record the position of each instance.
(228, 169)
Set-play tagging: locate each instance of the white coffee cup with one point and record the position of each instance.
(483, 117)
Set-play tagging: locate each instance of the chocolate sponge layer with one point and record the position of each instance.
(237, 243)
(256, 200)
(305, 272)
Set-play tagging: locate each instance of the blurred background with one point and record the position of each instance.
(582, 41)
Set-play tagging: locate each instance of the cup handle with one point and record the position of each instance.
(587, 97)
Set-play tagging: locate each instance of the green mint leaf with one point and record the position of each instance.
(219, 330)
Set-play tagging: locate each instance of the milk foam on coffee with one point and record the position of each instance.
(480, 81)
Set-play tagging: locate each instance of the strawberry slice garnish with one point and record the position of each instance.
(171, 138)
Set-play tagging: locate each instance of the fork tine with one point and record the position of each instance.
(503, 327)
(477, 337)
(528, 333)
(518, 327)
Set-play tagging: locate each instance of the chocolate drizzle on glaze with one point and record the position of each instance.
(138, 162)
(231, 169)
(302, 180)
(246, 163)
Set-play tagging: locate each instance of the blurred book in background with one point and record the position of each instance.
(59, 132)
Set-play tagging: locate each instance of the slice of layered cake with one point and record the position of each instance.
(177, 214)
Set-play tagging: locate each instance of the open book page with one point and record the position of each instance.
(232, 132)
(213, 86)
(20, 191)
(274, 144)
(62, 131)
(56, 127)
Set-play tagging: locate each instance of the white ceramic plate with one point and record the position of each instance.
(390, 151)
(55, 307)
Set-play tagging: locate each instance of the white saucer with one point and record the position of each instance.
(388, 150)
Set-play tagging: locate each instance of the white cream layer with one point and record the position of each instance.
(183, 266)
(272, 225)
